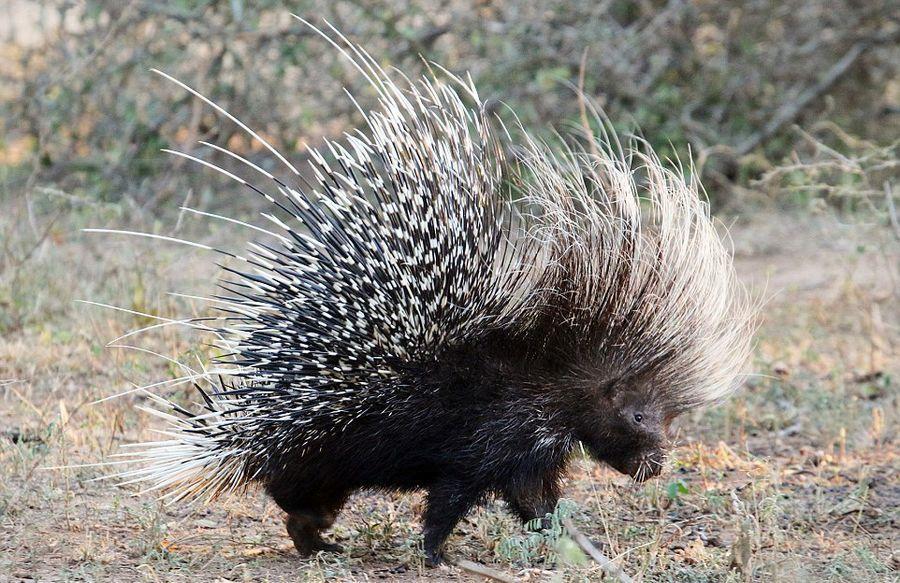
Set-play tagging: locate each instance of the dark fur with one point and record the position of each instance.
(493, 418)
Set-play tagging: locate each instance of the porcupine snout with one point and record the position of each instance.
(648, 465)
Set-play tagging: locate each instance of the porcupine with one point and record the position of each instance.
(427, 314)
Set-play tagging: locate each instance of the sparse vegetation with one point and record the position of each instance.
(796, 478)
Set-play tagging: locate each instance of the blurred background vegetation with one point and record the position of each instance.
(789, 103)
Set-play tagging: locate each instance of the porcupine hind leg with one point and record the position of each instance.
(305, 527)
(307, 516)
(448, 502)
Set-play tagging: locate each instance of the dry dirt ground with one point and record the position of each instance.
(795, 479)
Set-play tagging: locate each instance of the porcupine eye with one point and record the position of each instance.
(638, 417)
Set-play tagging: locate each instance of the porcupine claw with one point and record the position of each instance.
(433, 560)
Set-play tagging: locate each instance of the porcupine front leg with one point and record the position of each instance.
(448, 502)
(534, 499)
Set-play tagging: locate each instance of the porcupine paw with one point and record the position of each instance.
(320, 544)
(434, 558)
(306, 537)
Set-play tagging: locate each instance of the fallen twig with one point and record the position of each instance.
(481, 570)
(606, 564)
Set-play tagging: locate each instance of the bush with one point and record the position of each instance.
(82, 111)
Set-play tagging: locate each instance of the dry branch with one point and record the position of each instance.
(788, 112)
(606, 564)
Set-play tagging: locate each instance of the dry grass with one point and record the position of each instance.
(795, 479)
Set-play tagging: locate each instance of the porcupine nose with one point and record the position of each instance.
(648, 466)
